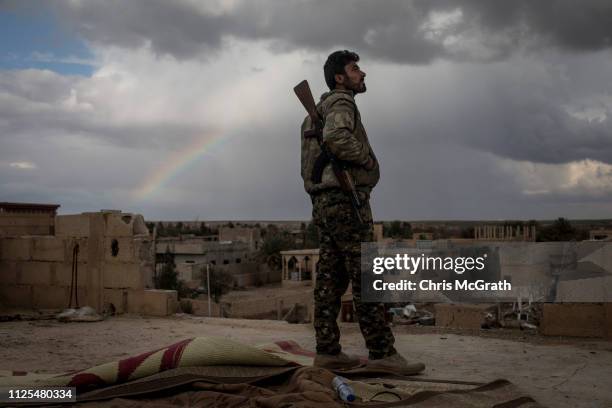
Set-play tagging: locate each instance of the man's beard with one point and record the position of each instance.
(359, 87)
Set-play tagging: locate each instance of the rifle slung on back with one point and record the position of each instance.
(302, 90)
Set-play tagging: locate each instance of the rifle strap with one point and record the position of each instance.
(319, 165)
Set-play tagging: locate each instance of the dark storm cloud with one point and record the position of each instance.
(528, 129)
(580, 26)
(390, 30)
(439, 129)
(523, 109)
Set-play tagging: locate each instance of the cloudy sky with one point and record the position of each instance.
(185, 110)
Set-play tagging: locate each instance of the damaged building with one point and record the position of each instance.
(103, 259)
(234, 253)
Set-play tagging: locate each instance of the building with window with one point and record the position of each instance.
(300, 266)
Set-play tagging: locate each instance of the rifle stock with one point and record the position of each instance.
(302, 90)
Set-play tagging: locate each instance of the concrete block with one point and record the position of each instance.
(76, 225)
(573, 319)
(83, 254)
(30, 230)
(51, 297)
(462, 316)
(70, 243)
(160, 302)
(140, 226)
(585, 290)
(143, 249)
(49, 249)
(601, 257)
(125, 225)
(26, 224)
(118, 298)
(148, 275)
(25, 220)
(16, 295)
(135, 301)
(123, 275)
(95, 257)
(97, 223)
(35, 273)
(200, 308)
(119, 249)
(184, 271)
(119, 224)
(9, 272)
(188, 248)
(153, 302)
(14, 231)
(61, 273)
(16, 248)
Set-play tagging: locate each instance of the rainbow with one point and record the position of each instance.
(176, 164)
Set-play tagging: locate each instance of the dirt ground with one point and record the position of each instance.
(558, 372)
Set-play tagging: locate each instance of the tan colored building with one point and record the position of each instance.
(192, 254)
(197, 250)
(428, 236)
(494, 232)
(27, 219)
(247, 235)
(600, 235)
(300, 266)
(100, 259)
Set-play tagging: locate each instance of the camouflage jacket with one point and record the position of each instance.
(346, 139)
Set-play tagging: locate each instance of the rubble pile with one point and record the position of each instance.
(469, 316)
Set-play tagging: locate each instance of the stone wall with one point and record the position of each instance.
(577, 320)
(271, 308)
(250, 274)
(12, 225)
(114, 266)
(244, 274)
(250, 236)
(198, 250)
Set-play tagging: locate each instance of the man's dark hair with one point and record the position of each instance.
(335, 65)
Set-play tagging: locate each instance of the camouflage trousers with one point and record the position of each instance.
(340, 237)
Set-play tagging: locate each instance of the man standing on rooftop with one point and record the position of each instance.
(341, 230)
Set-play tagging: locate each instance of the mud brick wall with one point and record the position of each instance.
(462, 316)
(26, 224)
(252, 308)
(577, 320)
(115, 266)
(35, 272)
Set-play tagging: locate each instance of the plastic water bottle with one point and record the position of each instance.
(345, 392)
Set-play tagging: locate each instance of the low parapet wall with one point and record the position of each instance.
(274, 308)
(114, 265)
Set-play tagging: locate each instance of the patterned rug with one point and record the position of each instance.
(198, 351)
(217, 372)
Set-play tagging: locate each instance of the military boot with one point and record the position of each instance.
(336, 362)
(395, 364)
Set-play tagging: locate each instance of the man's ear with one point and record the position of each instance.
(339, 78)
